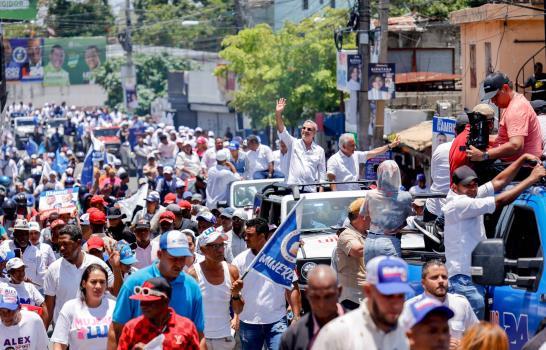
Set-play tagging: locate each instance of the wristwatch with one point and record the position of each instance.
(485, 156)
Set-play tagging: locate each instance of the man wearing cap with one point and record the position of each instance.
(205, 220)
(435, 283)
(421, 186)
(374, 325)
(97, 219)
(209, 158)
(186, 299)
(166, 221)
(35, 266)
(187, 221)
(519, 130)
(141, 154)
(152, 207)
(117, 228)
(236, 244)
(426, 324)
(95, 247)
(61, 279)
(46, 253)
(238, 159)
(150, 168)
(307, 163)
(27, 293)
(20, 329)
(220, 176)
(143, 250)
(158, 318)
(466, 203)
(259, 160)
(221, 289)
(167, 184)
(98, 202)
(127, 259)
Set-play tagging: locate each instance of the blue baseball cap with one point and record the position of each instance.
(175, 243)
(389, 274)
(416, 310)
(421, 177)
(6, 255)
(234, 145)
(153, 197)
(8, 298)
(187, 195)
(126, 254)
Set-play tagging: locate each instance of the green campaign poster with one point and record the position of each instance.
(71, 61)
(18, 9)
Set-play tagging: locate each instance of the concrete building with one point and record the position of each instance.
(497, 37)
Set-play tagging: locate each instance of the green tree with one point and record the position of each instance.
(90, 18)
(433, 9)
(152, 74)
(298, 63)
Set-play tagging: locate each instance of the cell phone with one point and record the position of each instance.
(17, 252)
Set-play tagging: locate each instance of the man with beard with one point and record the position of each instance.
(374, 325)
(236, 236)
(435, 282)
(117, 228)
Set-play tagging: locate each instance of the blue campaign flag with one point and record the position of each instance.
(31, 147)
(60, 163)
(87, 171)
(277, 259)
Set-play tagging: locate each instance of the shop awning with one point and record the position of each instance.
(417, 137)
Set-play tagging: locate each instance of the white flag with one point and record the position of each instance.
(128, 205)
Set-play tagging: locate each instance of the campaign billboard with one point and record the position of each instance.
(60, 201)
(23, 59)
(349, 70)
(443, 130)
(71, 61)
(18, 9)
(381, 81)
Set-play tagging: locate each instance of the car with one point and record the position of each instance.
(242, 193)
(23, 127)
(52, 124)
(110, 137)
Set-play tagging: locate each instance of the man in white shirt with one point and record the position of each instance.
(62, 279)
(374, 325)
(35, 266)
(236, 244)
(466, 203)
(209, 158)
(434, 280)
(421, 187)
(307, 162)
(259, 160)
(343, 166)
(220, 176)
(263, 319)
(167, 150)
(280, 158)
(143, 250)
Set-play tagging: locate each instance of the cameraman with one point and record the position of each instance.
(464, 226)
(457, 153)
(519, 131)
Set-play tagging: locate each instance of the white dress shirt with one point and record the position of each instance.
(305, 165)
(35, 266)
(209, 158)
(346, 168)
(439, 172)
(464, 227)
(280, 161)
(258, 160)
(218, 182)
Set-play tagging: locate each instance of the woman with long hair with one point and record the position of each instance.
(484, 336)
(83, 322)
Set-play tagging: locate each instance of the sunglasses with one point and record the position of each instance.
(147, 291)
(216, 246)
(307, 129)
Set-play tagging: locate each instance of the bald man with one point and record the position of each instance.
(323, 292)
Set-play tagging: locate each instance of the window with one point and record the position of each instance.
(306, 4)
(333, 4)
(472, 63)
(522, 240)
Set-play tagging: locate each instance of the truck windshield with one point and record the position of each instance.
(105, 132)
(243, 194)
(56, 123)
(26, 122)
(323, 212)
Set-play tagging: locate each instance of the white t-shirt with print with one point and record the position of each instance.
(28, 334)
(28, 294)
(63, 279)
(82, 327)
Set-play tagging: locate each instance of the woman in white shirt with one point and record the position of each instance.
(83, 322)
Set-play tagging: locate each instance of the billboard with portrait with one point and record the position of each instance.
(381, 81)
(23, 59)
(349, 70)
(18, 9)
(71, 61)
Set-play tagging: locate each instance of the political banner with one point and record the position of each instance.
(23, 59)
(71, 61)
(443, 130)
(277, 259)
(60, 201)
(381, 84)
(348, 70)
(128, 205)
(87, 171)
(18, 9)
(370, 168)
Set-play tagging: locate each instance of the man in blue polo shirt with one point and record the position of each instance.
(186, 299)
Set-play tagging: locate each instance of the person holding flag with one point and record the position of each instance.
(268, 279)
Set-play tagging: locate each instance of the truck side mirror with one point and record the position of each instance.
(488, 266)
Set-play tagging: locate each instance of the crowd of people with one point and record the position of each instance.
(175, 273)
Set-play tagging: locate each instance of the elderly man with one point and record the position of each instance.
(220, 176)
(374, 325)
(322, 293)
(343, 166)
(209, 158)
(519, 129)
(307, 162)
(259, 164)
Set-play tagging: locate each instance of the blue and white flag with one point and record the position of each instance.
(87, 171)
(277, 259)
(31, 147)
(60, 163)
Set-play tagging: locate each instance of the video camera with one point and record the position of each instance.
(479, 131)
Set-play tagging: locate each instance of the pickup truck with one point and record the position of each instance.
(242, 193)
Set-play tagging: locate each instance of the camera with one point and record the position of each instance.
(479, 131)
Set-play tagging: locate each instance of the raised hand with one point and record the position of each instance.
(281, 104)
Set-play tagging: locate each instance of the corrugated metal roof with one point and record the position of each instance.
(424, 77)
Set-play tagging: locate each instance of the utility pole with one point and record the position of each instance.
(383, 57)
(128, 74)
(363, 43)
